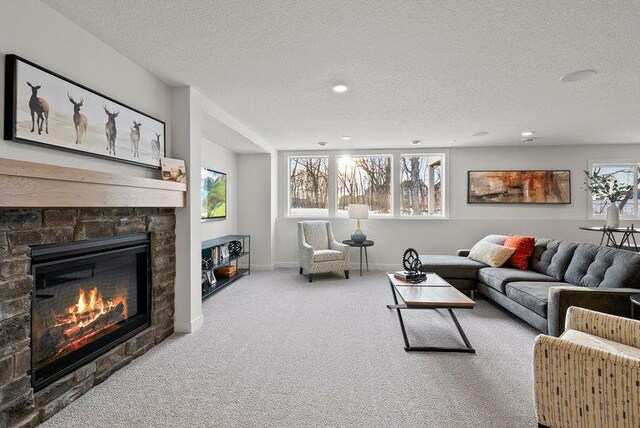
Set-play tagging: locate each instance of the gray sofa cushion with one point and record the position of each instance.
(596, 266)
(497, 278)
(451, 266)
(531, 295)
(552, 257)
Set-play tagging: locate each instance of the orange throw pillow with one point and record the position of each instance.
(524, 250)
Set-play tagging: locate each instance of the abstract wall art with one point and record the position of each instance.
(519, 187)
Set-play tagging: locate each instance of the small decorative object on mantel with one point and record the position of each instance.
(607, 186)
(173, 170)
(45, 108)
(413, 267)
(235, 248)
(359, 212)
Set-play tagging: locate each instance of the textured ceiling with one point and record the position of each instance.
(436, 71)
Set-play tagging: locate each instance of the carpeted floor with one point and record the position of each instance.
(276, 351)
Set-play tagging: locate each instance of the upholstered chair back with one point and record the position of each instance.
(316, 234)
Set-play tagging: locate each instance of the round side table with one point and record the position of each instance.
(635, 304)
(361, 245)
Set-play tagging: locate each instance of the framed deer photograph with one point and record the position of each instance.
(45, 108)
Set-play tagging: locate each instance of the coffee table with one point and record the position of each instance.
(433, 293)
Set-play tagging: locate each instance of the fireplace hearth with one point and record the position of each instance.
(88, 297)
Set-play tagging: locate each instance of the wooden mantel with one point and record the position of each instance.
(29, 184)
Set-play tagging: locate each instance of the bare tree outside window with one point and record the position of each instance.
(421, 185)
(364, 180)
(308, 185)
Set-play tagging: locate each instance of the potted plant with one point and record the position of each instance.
(605, 185)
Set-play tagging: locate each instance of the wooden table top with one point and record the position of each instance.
(429, 296)
(432, 280)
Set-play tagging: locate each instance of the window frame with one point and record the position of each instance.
(337, 213)
(333, 155)
(443, 185)
(636, 178)
(287, 178)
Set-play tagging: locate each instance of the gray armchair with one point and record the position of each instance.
(319, 251)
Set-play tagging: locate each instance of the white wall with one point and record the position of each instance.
(255, 206)
(468, 223)
(224, 160)
(32, 30)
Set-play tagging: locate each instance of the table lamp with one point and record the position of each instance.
(358, 211)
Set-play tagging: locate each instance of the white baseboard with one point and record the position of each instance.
(354, 266)
(262, 267)
(188, 326)
(287, 265)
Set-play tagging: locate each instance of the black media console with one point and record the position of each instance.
(214, 256)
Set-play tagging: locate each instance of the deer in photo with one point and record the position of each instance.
(79, 120)
(155, 148)
(40, 108)
(135, 138)
(110, 130)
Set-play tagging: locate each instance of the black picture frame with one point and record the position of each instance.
(226, 194)
(472, 201)
(11, 132)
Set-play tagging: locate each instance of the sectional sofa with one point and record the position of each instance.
(560, 274)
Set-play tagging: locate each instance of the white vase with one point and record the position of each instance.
(613, 216)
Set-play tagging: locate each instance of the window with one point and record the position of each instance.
(627, 177)
(364, 180)
(421, 185)
(308, 186)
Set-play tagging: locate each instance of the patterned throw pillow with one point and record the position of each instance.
(490, 254)
(523, 246)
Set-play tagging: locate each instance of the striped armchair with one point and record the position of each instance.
(590, 375)
(319, 251)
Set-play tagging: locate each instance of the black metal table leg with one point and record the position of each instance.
(360, 261)
(366, 256)
(408, 348)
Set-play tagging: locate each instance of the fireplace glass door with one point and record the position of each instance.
(84, 305)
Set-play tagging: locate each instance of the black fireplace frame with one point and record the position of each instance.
(43, 256)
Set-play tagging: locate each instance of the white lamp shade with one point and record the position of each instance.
(359, 211)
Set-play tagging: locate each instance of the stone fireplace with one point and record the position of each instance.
(97, 303)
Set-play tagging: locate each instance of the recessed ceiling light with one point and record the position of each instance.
(577, 75)
(414, 142)
(480, 134)
(452, 141)
(339, 88)
(527, 133)
(322, 143)
(346, 138)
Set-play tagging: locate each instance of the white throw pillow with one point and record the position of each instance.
(490, 254)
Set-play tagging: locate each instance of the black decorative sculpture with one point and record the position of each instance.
(235, 248)
(412, 265)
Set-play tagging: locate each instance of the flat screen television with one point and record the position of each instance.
(213, 194)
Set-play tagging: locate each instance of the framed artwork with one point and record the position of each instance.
(173, 170)
(44, 108)
(211, 278)
(519, 187)
(224, 252)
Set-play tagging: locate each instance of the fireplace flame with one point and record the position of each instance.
(89, 316)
